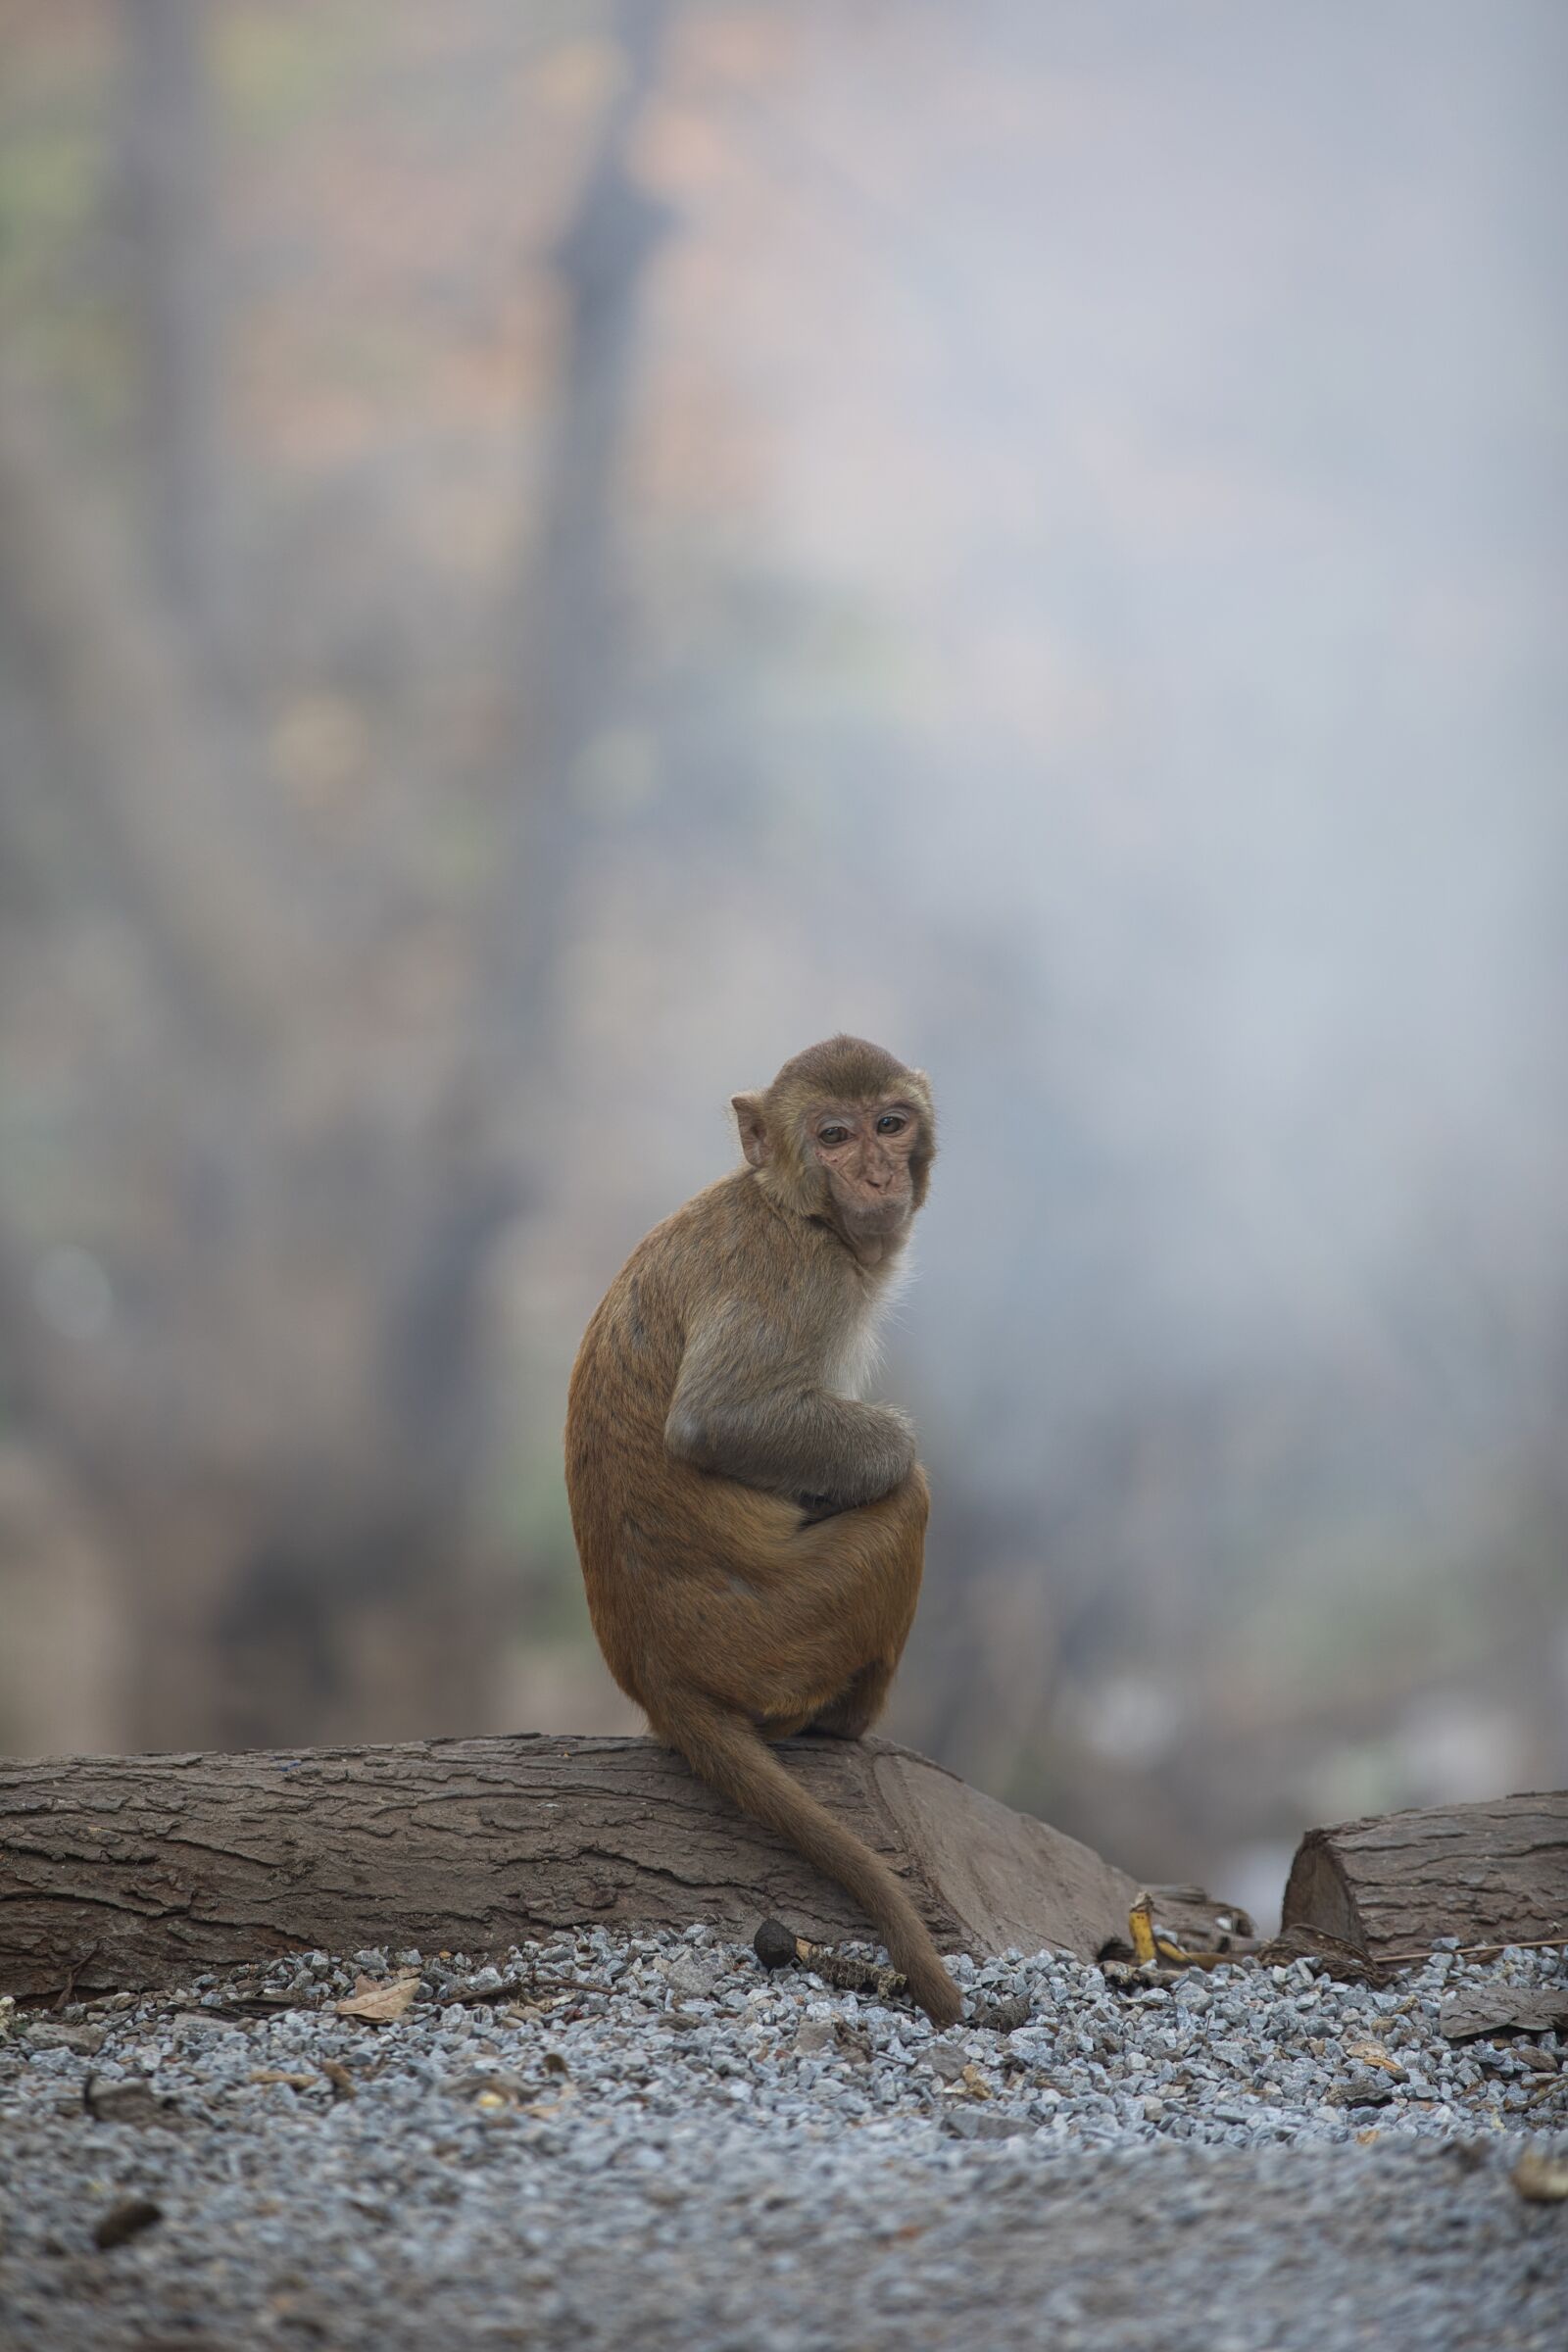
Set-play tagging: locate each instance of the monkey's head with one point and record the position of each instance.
(847, 1133)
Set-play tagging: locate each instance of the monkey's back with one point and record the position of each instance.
(642, 1519)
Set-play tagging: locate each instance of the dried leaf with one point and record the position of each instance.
(1366, 2091)
(341, 2079)
(1372, 2053)
(378, 2002)
(548, 2107)
(1540, 2178)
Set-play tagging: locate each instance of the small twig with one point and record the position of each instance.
(1472, 1951)
(67, 1991)
(522, 1989)
(777, 1947)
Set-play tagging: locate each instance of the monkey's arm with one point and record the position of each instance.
(749, 1408)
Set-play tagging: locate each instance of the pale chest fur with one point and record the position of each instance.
(854, 1360)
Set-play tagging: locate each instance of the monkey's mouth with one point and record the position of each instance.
(879, 1212)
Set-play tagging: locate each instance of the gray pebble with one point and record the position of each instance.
(768, 2148)
(947, 2059)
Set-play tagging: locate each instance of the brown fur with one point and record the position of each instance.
(750, 1540)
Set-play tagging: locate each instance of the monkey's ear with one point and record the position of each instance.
(754, 1140)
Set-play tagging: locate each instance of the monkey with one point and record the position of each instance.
(751, 1534)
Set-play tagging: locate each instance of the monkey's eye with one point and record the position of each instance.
(832, 1136)
(891, 1122)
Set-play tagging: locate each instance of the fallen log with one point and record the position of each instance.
(121, 1873)
(1489, 1874)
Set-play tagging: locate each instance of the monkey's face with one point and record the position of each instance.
(846, 1132)
(864, 1153)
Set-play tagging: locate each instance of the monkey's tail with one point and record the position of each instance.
(732, 1755)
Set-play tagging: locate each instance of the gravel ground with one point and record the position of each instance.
(646, 2141)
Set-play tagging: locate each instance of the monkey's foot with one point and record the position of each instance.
(852, 1714)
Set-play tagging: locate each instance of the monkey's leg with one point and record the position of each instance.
(809, 1623)
(856, 1709)
(774, 1620)
(841, 1612)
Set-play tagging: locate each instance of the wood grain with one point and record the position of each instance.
(122, 1871)
(1492, 1873)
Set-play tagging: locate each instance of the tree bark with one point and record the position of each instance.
(1494, 1873)
(134, 1871)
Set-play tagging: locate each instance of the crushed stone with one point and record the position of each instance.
(608, 2138)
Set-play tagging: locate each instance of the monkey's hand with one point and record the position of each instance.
(878, 1470)
(881, 1461)
(879, 1452)
(753, 1415)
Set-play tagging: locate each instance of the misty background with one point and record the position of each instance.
(550, 557)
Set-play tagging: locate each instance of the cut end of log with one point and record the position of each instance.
(1395, 1885)
(1316, 1893)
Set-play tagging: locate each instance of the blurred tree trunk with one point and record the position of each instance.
(275, 1428)
(169, 204)
(565, 639)
(280, 1425)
